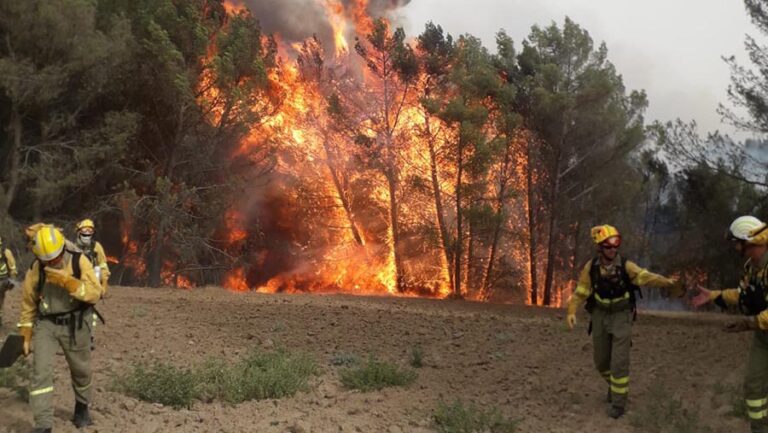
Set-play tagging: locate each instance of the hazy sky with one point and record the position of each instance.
(670, 48)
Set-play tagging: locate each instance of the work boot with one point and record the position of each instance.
(82, 417)
(616, 412)
(41, 430)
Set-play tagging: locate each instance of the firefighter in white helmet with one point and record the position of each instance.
(750, 238)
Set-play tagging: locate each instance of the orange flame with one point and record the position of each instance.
(235, 281)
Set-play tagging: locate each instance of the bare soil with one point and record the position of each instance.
(520, 359)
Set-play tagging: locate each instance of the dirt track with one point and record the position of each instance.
(519, 359)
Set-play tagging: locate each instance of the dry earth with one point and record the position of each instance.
(520, 359)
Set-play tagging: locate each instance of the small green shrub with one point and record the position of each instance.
(376, 375)
(160, 383)
(417, 357)
(255, 377)
(260, 376)
(461, 418)
(344, 360)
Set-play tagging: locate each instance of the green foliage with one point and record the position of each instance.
(468, 418)
(344, 360)
(375, 375)
(257, 376)
(417, 357)
(160, 383)
(666, 414)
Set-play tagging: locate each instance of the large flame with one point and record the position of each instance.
(351, 248)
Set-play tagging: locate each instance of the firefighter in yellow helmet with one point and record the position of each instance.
(58, 295)
(607, 284)
(750, 237)
(93, 250)
(8, 273)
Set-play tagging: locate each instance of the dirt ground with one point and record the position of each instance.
(519, 359)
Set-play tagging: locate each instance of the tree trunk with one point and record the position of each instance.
(459, 225)
(532, 244)
(503, 181)
(554, 209)
(575, 262)
(339, 184)
(13, 154)
(394, 218)
(155, 265)
(156, 257)
(445, 240)
(469, 274)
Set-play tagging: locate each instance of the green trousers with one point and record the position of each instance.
(756, 383)
(611, 338)
(5, 285)
(46, 340)
(2, 301)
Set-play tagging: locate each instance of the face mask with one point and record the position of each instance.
(85, 239)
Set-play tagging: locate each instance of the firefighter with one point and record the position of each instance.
(750, 238)
(59, 293)
(608, 284)
(8, 273)
(93, 250)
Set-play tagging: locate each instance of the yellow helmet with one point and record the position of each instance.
(86, 225)
(48, 243)
(604, 232)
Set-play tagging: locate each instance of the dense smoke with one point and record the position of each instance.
(297, 20)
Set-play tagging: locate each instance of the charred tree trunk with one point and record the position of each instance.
(554, 209)
(340, 183)
(498, 221)
(394, 218)
(156, 258)
(445, 240)
(459, 224)
(532, 245)
(469, 274)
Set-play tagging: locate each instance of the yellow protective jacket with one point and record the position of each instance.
(639, 277)
(100, 260)
(8, 265)
(731, 296)
(53, 299)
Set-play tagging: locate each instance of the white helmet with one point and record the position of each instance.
(744, 227)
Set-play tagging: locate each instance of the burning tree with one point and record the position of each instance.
(288, 162)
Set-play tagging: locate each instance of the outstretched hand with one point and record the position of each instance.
(702, 297)
(571, 319)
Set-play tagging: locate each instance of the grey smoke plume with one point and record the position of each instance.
(297, 20)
